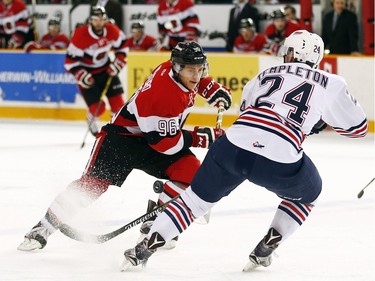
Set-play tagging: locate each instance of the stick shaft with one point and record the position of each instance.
(101, 238)
(105, 90)
(219, 118)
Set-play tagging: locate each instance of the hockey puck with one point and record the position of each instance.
(158, 186)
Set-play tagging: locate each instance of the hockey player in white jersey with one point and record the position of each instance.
(280, 107)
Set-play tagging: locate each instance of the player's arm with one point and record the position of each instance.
(163, 133)
(345, 114)
(120, 49)
(73, 64)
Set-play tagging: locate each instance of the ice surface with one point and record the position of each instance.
(38, 159)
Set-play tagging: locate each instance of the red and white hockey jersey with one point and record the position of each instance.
(157, 111)
(255, 45)
(90, 51)
(58, 42)
(146, 43)
(283, 103)
(278, 36)
(178, 20)
(14, 21)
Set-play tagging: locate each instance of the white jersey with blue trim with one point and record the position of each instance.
(281, 105)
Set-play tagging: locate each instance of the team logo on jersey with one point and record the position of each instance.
(258, 145)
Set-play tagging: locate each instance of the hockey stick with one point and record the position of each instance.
(105, 90)
(360, 194)
(220, 113)
(101, 238)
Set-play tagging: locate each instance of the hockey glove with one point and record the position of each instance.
(318, 127)
(115, 67)
(214, 93)
(204, 136)
(32, 45)
(84, 78)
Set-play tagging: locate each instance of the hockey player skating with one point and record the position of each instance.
(87, 59)
(280, 107)
(146, 134)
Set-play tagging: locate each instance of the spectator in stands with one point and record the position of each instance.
(53, 40)
(249, 41)
(139, 40)
(113, 9)
(16, 24)
(178, 21)
(291, 14)
(242, 10)
(340, 30)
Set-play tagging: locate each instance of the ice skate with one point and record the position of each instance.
(145, 229)
(263, 253)
(35, 239)
(142, 251)
(146, 226)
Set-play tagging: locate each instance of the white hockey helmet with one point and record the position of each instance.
(304, 47)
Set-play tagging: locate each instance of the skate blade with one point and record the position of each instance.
(125, 265)
(29, 245)
(250, 266)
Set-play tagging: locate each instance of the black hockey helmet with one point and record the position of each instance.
(188, 53)
(245, 23)
(55, 22)
(97, 11)
(278, 14)
(138, 25)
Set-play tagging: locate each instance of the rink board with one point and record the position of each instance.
(31, 88)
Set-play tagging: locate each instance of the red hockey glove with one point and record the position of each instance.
(214, 93)
(115, 67)
(32, 45)
(84, 78)
(204, 136)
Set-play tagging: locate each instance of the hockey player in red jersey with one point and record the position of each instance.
(249, 41)
(88, 60)
(53, 40)
(280, 107)
(146, 134)
(139, 40)
(16, 25)
(278, 30)
(178, 21)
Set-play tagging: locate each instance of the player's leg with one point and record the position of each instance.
(115, 95)
(180, 172)
(299, 185)
(211, 182)
(96, 107)
(105, 167)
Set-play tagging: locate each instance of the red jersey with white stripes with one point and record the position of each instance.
(146, 43)
(60, 41)
(178, 20)
(14, 19)
(90, 51)
(283, 103)
(273, 34)
(157, 111)
(256, 44)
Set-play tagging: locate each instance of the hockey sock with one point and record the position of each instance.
(289, 217)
